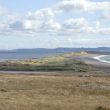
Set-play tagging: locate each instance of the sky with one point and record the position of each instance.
(54, 23)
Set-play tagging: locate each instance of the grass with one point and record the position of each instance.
(102, 108)
(56, 63)
(53, 92)
(31, 92)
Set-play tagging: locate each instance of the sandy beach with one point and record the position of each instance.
(94, 60)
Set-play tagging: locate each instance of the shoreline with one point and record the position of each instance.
(101, 60)
(92, 59)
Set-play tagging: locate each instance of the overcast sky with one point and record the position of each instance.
(54, 23)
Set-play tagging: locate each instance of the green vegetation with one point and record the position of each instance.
(56, 63)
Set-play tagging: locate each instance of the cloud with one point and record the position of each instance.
(36, 25)
(106, 15)
(45, 13)
(46, 20)
(79, 25)
(70, 26)
(104, 31)
(72, 5)
(75, 23)
(83, 5)
(52, 25)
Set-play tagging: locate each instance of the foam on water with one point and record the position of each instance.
(103, 58)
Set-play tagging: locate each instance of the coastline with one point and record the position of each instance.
(94, 59)
(99, 58)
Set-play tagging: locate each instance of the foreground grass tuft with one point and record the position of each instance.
(102, 108)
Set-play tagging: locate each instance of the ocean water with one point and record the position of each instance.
(106, 58)
(23, 55)
(103, 58)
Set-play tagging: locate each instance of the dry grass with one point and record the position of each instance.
(102, 108)
(30, 92)
(47, 60)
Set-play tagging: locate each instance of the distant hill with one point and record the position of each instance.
(62, 50)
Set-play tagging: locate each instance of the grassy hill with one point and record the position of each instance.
(56, 63)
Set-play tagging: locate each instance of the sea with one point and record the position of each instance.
(103, 58)
(24, 55)
(35, 55)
